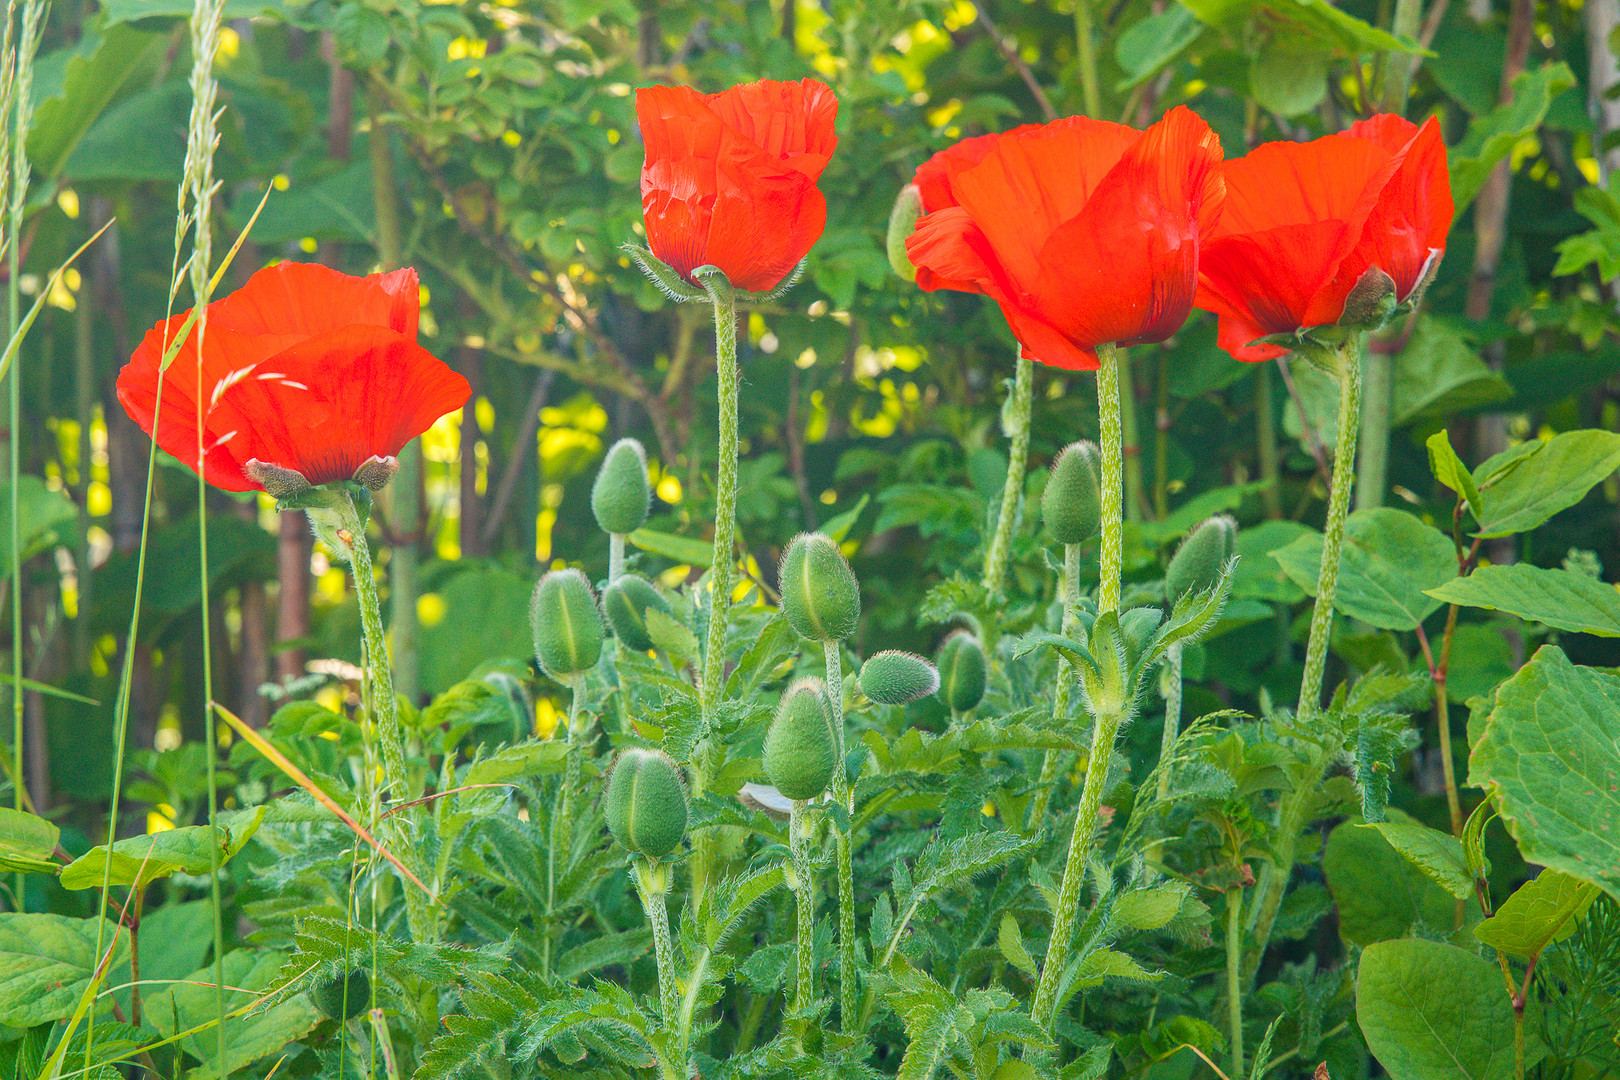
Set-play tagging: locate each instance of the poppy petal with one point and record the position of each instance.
(1271, 279)
(790, 121)
(1411, 216)
(301, 299)
(934, 176)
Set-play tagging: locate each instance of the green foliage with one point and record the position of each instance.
(1430, 1010)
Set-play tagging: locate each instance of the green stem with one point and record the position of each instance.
(350, 531)
(562, 826)
(1234, 977)
(1265, 433)
(1170, 682)
(1044, 1009)
(1017, 432)
(724, 300)
(1161, 440)
(1297, 801)
(1372, 465)
(1131, 448)
(1443, 718)
(805, 903)
(615, 557)
(1327, 579)
(1398, 65)
(843, 843)
(652, 884)
(1112, 557)
(1053, 762)
(1086, 58)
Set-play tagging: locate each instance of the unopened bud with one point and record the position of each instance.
(1370, 302)
(646, 802)
(1197, 565)
(344, 997)
(962, 671)
(620, 497)
(625, 603)
(894, 678)
(902, 223)
(802, 745)
(820, 595)
(567, 627)
(1072, 501)
(375, 472)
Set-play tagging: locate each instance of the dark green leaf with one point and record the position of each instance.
(1557, 598)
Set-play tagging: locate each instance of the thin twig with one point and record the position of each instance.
(1011, 56)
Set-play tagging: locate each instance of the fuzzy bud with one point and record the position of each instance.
(567, 627)
(625, 603)
(902, 223)
(802, 745)
(962, 671)
(1072, 502)
(344, 997)
(620, 497)
(894, 678)
(820, 596)
(1196, 566)
(646, 802)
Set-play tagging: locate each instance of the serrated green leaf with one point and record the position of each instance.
(1431, 1011)
(1151, 908)
(1378, 893)
(1556, 598)
(254, 1035)
(46, 962)
(1438, 373)
(144, 859)
(1448, 468)
(1011, 943)
(1540, 912)
(1550, 755)
(1522, 492)
(1492, 137)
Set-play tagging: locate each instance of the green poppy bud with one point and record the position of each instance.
(820, 595)
(894, 678)
(962, 671)
(646, 802)
(620, 497)
(567, 627)
(801, 745)
(902, 223)
(1072, 501)
(344, 997)
(625, 603)
(1196, 566)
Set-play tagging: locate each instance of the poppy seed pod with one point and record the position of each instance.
(1072, 502)
(626, 602)
(645, 802)
(894, 678)
(801, 745)
(620, 497)
(344, 997)
(962, 671)
(1196, 566)
(567, 627)
(820, 596)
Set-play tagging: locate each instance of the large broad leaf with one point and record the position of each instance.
(1389, 558)
(1523, 487)
(1152, 43)
(1378, 893)
(1542, 911)
(1550, 756)
(1258, 577)
(117, 11)
(1431, 1011)
(256, 1034)
(337, 207)
(27, 842)
(1492, 137)
(142, 137)
(1438, 855)
(1439, 373)
(1558, 598)
(141, 860)
(76, 86)
(1304, 23)
(486, 615)
(42, 515)
(46, 961)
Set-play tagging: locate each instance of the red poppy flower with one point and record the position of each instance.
(730, 178)
(1084, 232)
(303, 369)
(1305, 221)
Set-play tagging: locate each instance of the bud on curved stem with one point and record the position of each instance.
(626, 602)
(892, 677)
(620, 497)
(820, 597)
(566, 624)
(1196, 565)
(645, 804)
(1071, 505)
(802, 745)
(962, 671)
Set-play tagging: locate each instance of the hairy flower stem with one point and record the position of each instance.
(1234, 977)
(724, 299)
(350, 532)
(843, 843)
(1109, 438)
(1044, 1009)
(1016, 422)
(1170, 683)
(615, 557)
(1053, 763)
(1297, 801)
(652, 884)
(562, 815)
(805, 902)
